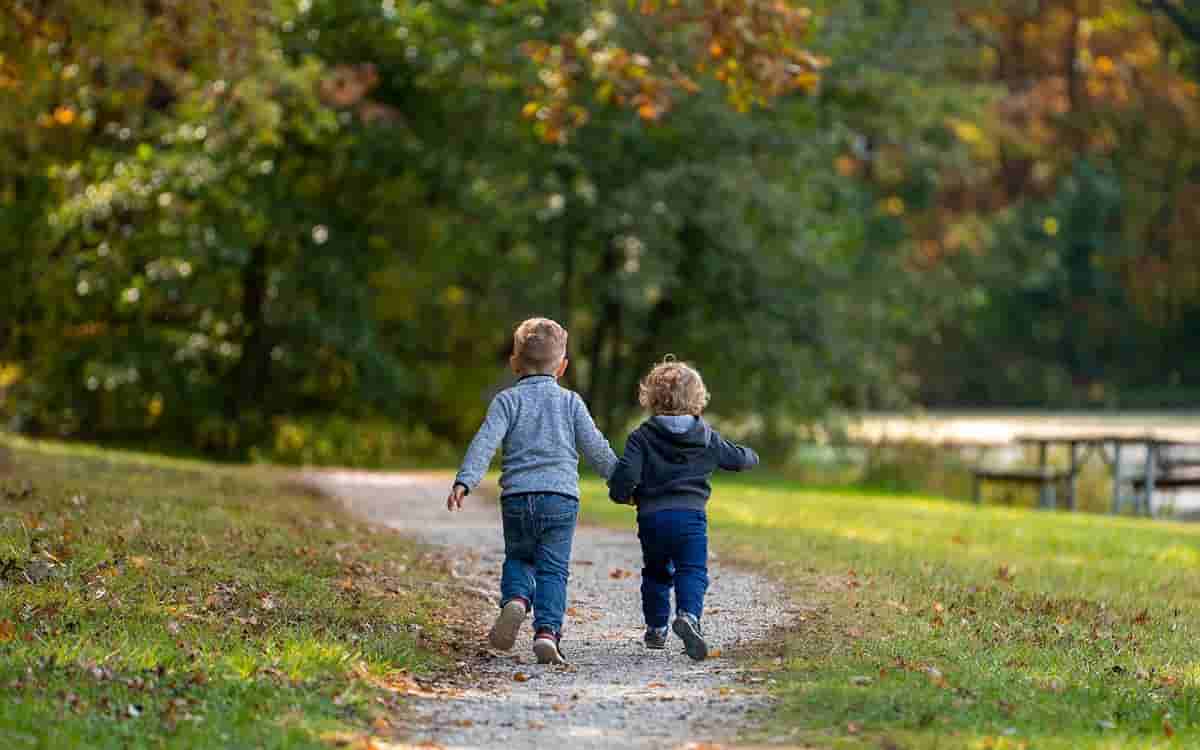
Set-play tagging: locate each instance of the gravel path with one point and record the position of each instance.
(614, 693)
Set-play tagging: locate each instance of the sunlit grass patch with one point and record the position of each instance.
(928, 623)
(157, 602)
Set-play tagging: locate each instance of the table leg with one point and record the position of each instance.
(1116, 490)
(1074, 466)
(1044, 491)
(1151, 467)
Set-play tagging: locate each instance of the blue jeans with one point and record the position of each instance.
(675, 555)
(538, 530)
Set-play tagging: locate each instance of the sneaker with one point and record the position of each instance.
(687, 627)
(656, 638)
(508, 623)
(547, 647)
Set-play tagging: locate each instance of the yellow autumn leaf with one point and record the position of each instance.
(806, 81)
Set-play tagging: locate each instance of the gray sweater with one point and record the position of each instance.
(543, 428)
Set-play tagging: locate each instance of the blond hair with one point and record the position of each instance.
(673, 388)
(539, 345)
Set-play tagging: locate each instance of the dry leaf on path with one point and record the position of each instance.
(520, 677)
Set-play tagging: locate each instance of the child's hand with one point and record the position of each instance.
(454, 501)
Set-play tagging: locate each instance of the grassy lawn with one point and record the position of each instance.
(926, 623)
(154, 603)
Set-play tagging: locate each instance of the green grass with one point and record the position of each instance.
(193, 606)
(934, 624)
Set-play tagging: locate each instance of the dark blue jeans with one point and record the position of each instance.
(675, 555)
(538, 531)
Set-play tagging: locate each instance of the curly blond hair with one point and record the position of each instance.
(673, 388)
(539, 345)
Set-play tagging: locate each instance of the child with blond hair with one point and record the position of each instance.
(543, 428)
(665, 472)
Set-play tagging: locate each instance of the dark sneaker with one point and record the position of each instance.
(656, 638)
(687, 627)
(547, 648)
(508, 624)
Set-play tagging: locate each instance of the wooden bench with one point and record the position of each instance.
(1045, 479)
(1170, 479)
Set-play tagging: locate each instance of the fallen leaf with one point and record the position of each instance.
(716, 652)
(520, 677)
(537, 725)
(138, 561)
(1142, 618)
(853, 727)
(560, 707)
(1004, 573)
(618, 573)
(584, 562)
(572, 612)
(1168, 729)
(465, 723)
(8, 630)
(657, 685)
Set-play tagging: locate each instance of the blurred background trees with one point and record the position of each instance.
(303, 229)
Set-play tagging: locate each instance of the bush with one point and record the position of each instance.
(338, 441)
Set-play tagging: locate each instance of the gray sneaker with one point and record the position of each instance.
(656, 638)
(508, 624)
(687, 627)
(547, 646)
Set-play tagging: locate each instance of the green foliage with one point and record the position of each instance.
(338, 210)
(338, 441)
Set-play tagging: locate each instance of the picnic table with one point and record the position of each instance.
(1163, 468)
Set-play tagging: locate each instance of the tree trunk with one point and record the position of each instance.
(251, 376)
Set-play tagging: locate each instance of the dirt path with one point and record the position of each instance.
(614, 693)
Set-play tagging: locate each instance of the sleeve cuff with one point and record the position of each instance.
(466, 489)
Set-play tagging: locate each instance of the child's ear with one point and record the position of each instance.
(562, 367)
(512, 362)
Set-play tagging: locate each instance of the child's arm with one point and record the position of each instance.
(479, 453)
(734, 457)
(591, 442)
(625, 477)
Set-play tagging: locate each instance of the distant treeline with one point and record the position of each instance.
(244, 230)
